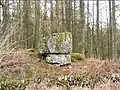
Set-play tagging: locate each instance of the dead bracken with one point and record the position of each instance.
(89, 73)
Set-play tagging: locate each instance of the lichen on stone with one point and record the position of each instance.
(63, 39)
(42, 45)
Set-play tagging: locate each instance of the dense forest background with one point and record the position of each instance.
(93, 24)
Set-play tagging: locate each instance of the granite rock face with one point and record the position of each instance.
(59, 59)
(58, 43)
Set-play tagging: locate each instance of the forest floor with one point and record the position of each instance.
(25, 64)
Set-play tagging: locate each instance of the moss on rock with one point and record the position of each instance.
(57, 42)
(61, 37)
(42, 45)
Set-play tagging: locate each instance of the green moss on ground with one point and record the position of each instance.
(14, 84)
(78, 56)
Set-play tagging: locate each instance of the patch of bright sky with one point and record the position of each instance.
(103, 11)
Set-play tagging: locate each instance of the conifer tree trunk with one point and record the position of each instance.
(88, 30)
(27, 24)
(82, 23)
(114, 31)
(97, 32)
(93, 36)
(110, 30)
(37, 23)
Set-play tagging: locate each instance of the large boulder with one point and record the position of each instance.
(60, 43)
(59, 47)
(56, 43)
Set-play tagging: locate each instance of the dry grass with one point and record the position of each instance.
(25, 64)
(24, 59)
